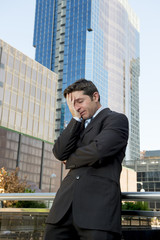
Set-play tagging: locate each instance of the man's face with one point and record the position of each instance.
(85, 105)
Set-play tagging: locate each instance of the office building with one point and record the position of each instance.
(148, 174)
(97, 40)
(128, 180)
(27, 118)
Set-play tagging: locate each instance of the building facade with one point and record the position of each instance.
(128, 180)
(148, 174)
(27, 117)
(97, 40)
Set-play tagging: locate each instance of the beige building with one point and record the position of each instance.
(128, 180)
(27, 95)
(27, 118)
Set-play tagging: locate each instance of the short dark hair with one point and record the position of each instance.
(84, 85)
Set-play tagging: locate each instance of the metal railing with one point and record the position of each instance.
(27, 196)
(127, 196)
(30, 222)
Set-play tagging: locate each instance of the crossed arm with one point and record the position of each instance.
(112, 138)
(109, 141)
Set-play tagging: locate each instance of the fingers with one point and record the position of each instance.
(71, 104)
(70, 100)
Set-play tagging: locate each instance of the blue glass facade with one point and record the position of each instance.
(43, 32)
(78, 21)
(99, 69)
(97, 40)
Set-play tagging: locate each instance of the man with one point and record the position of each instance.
(88, 203)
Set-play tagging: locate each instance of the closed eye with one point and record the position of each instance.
(80, 100)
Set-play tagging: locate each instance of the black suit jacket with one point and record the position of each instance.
(94, 156)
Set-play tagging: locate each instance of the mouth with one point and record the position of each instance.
(82, 114)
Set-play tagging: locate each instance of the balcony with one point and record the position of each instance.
(29, 224)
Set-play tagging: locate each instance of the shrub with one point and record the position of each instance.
(29, 204)
(10, 183)
(135, 206)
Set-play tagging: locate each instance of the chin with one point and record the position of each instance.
(84, 118)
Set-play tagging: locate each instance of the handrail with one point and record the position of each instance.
(129, 196)
(141, 196)
(27, 196)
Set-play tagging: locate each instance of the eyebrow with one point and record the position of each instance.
(78, 99)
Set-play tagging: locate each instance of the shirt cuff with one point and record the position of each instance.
(77, 119)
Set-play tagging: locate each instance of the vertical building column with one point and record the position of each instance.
(59, 60)
(41, 167)
(18, 151)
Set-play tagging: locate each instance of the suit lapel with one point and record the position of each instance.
(96, 120)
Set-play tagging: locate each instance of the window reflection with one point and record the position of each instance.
(27, 88)
(48, 98)
(40, 129)
(29, 72)
(34, 74)
(44, 80)
(31, 107)
(25, 105)
(18, 120)
(49, 83)
(36, 110)
(39, 78)
(21, 85)
(17, 65)
(9, 78)
(42, 113)
(2, 74)
(7, 96)
(23, 68)
(19, 103)
(38, 93)
(24, 123)
(35, 127)
(5, 115)
(14, 99)
(47, 114)
(30, 124)
(46, 130)
(1, 93)
(33, 90)
(15, 81)
(10, 61)
(12, 117)
(43, 97)
(4, 57)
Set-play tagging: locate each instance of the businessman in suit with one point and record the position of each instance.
(88, 203)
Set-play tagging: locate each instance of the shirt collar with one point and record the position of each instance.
(87, 121)
(98, 111)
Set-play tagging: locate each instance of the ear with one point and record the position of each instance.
(95, 96)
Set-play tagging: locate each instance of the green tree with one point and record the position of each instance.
(135, 206)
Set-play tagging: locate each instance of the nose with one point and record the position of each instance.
(77, 107)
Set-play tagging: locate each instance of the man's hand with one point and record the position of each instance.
(70, 103)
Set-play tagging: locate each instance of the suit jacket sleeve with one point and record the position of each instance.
(111, 139)
(66, 143)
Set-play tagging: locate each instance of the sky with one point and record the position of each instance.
(17, 27)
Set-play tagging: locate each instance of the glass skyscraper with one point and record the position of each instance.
(97, 40)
